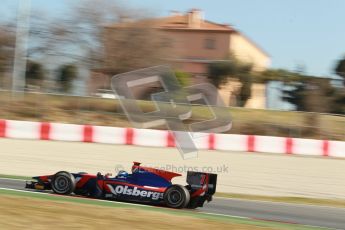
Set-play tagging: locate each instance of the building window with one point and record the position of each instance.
(210, 43)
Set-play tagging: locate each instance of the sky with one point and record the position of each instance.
(309, 33)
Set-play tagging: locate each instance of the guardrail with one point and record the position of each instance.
(162, 138)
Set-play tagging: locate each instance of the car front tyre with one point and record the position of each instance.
(63, 183)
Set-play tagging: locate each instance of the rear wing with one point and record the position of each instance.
(198, 180)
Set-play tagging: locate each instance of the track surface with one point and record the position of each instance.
(292, 213)
(238, 172)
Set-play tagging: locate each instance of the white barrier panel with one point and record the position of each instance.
(231, 142)
(201, 140)
(66, 132)
(22, 129)
(150, 137)
(267, 144)
(307, 147)
(337, 148)
(109, 135)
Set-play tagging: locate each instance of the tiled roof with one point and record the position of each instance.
(176, 22)
(181, 22)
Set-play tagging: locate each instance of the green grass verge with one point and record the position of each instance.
(294, 200)
(157, 209)
(15, 177)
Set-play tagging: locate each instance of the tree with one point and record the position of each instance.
(219, 73)
(340, 69)
(66, 74)
(34, 74)
(277, 75)
(339, 101)
(98, 36)
(132, 45)
(246, 88)
(7, 40)
(295, 96)
(312, 94)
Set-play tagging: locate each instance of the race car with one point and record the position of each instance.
(142, 185)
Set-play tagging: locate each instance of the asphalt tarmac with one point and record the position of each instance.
(321, 216)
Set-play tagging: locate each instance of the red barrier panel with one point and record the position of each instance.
(2, 128)
(170, 139)
(45, 131)
(129, 136)
(251, 143)
(289, 145)
(325, 148)
(88, 133)
(211, 141)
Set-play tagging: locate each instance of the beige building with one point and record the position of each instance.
(197, 42)
(193, 43)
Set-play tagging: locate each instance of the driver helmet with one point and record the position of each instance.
(122, 174)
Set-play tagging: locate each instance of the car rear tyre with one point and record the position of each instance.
(176, 196)
(63, 183)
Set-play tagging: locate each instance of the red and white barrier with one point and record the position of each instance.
(163, 138)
